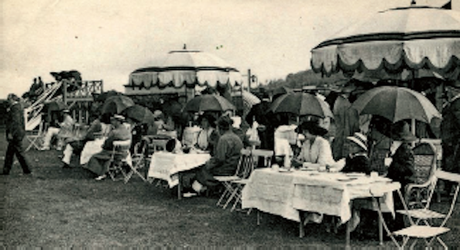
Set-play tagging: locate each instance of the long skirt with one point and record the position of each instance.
(91, 148)
(98, 162)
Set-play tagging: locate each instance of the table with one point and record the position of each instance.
(167, 166)
(289, 193)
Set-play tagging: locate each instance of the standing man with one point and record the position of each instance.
(15, 132)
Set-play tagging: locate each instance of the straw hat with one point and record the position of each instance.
(359, 139)
(118, 118)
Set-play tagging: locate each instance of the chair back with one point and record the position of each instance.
(424, 162)
(245, 164)
(265, 155)
(120, 149)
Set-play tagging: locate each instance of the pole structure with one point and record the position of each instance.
(249, 79)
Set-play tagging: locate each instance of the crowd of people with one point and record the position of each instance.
(348, 143)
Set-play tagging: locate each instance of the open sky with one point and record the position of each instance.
(108, 39)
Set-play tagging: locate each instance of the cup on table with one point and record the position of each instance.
(374, 174)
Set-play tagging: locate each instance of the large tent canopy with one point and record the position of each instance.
(393, 41)
(187, 67)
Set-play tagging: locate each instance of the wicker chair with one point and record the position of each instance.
(416, 194)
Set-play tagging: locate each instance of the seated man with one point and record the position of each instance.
(77, 146)
(66, 124)
(97, 162)
(225, 160)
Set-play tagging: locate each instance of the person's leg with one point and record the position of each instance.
(20, 155)
(8, 159)
(48, 136)
(68, 151)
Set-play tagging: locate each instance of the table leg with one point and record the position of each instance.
(301, 227)
(179, 187)
(380, 232)
(347, 239)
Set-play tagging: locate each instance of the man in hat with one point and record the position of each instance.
(65, 123)
(225, 160)
(15, 132)
(401, 168)
(119, 133)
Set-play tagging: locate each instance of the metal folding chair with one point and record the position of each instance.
(139, 162)
(423, 227)
(245, 164)
(257, 155)
(35, 137)
(118, 159)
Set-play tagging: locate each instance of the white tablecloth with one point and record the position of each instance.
(165, 165)
(285, 194)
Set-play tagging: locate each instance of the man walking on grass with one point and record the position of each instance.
(15, 132)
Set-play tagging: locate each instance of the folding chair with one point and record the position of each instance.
(416, 194)
(426, 231)
(35, 137)
(245, 163)
(118, 159)
(139, 162)
(257, 155)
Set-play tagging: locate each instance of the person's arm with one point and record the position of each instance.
(325, 153)
(219, 155)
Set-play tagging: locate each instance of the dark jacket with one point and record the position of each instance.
(15, 122)
(402, 167)
(357, 163)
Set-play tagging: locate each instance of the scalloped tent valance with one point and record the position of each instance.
(392, 41)
(189, 68)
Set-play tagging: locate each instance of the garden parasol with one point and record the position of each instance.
(116, 104)
(208, 103)
(301, 104)
(139, 114)
(396, 104)
(189, 67)
(391, 41)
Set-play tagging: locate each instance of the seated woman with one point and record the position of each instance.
(76, 146)
(315, 149)
(225, 160)
(94, 145)
(357, 161)
(207, 137)
(119, 133)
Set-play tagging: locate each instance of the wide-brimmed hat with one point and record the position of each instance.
(118, 118)
(359, 139)
(224, 122)
(210, 118)
(401, 132)
(312, 127)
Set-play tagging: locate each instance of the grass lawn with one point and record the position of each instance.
(67, 208)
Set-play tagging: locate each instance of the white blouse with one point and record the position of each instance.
(318, 152)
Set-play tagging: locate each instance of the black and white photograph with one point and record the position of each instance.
(230, 124)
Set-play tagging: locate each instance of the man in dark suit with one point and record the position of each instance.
(15, 132)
